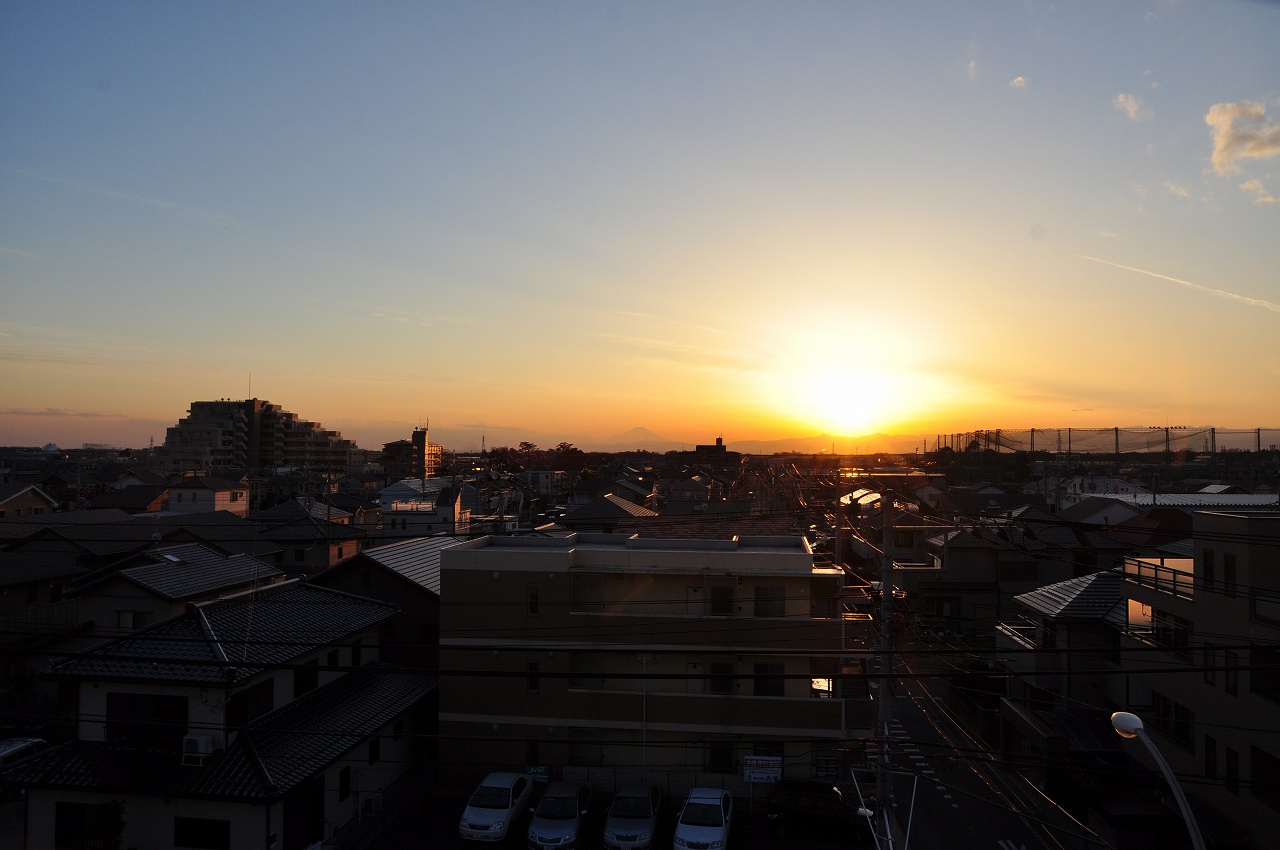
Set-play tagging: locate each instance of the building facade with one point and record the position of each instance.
(595, 651)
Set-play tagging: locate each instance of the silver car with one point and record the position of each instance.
(633, 818)
(557, 820)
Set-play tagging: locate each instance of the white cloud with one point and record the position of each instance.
(972, 68)
(1240, 131)
(1018, 83)
(1175, 189)
(1261, 195)
(1133, 107)
(1107, 234)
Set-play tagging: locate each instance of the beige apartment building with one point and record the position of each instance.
(617, 652)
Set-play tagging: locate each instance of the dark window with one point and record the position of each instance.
(1232, 778)
(720, 601)
(1264, 775)
(355, 654)
(1210, 757)
(306, 678)
(769, 681)
(1208, 568)
(344, 783)
(55, 592)
(299, 554)
(533, 599)
(720, 757)
(1210, 659)
(1174, 718)
(250, 703)
(721, 680)
(1229, 573)
(332, 658)
(147, 719)
(84, 826)
(375, 749)
(1171, 631)
(770, 602)
(205, 833)
(533, 683)
(1264, 678)
(1229, 676)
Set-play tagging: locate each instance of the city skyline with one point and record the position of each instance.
(730, 220)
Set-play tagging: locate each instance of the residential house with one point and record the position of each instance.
(408, 574)
(254, 722)
(18, 500)
(192, 494)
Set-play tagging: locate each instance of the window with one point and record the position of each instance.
(344, 783)
(720, 601)
(331, 660)
(533, 599)
(205, 833)
(250, 703)
(1210, 757)
(1264, 677)
(1264, 775)
(146, 719)
(1232, 777)
(769, 681)
(1229, 679)
(1229, 573)
(770, 601)
(720, 757)
(533, 683)
(1210, 658)
(340, 554)
(1173, 718)
(306, 678)
(721, 679)
(1171, 631)
(299, 554)
(375, 749)
(1208, 569)
(84, 826)
(356, 660)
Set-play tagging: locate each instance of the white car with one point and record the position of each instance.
(704, 820)
(495, 805)
(632, 818)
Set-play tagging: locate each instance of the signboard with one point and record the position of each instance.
(762, 768)
(537, 772)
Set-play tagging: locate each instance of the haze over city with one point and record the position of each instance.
(751, 220)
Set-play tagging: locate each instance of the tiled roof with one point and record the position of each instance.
(309, 529)
(1099, 596)
(607, 507)
(190, 571)
(275, 754)
(19, 568)
(298, 509)
(203, 483)
(417, 560)
(14, 528)
(231, 639)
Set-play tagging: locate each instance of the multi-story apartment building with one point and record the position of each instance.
(253, 434)
(658, 655)
(1218, 726)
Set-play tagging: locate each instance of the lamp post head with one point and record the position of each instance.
(1126, 725)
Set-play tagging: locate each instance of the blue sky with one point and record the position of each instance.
(568, 220)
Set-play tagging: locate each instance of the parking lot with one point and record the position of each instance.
(431, 820)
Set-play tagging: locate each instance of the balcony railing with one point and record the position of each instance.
(1163, 578)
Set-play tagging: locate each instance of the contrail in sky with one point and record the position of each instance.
(1221, 293)
(195, 212)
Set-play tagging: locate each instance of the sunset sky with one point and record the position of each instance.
(567, 220)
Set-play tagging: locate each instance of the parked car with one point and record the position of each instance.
(704, 820)
(557, 820)
(16, 749)
(632, 819)
(811, 807)
(495, 805)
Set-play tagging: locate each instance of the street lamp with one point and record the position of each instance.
(1130, 726)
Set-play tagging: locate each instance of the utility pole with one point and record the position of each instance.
(884, 778)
